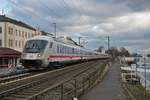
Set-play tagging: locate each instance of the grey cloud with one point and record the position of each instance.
(134, 5)
(80, 17)
(138, 5)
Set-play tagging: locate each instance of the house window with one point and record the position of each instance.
(10, 43)
(23, 34)
(22, 43)
(0, 29)
(26, 34)
(16, 32)
(10, 30)
(0, 43)
(19, 33)
(19, 44)
(16, 43)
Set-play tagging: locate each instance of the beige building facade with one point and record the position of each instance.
(13, 33)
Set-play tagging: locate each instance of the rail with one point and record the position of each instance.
(76, 91)
(73, 86)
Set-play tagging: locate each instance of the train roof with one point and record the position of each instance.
(41, 37)
(71, 44)
(66, 40)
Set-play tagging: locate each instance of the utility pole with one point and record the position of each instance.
(79, 39)
(145, 75)
(108, 43)
(54, 30)
(136, 60)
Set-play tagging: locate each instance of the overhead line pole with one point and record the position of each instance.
(54, 30)
(108, 42)
(79, 38)
(145, 77)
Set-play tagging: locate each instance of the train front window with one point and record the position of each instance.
(35, 46)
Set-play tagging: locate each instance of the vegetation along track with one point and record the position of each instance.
(30, 86)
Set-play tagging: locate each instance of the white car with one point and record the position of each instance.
(19, 67)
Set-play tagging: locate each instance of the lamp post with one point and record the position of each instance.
(145, 77)
(108, 42)
(79, 38)
(136, 60)
(54, 30)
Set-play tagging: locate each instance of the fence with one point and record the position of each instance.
(74, 87)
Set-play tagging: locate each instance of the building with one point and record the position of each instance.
(129, 70)
(13, 33)
(8, 57)
(143, 63)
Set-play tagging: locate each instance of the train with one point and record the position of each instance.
(44, 51)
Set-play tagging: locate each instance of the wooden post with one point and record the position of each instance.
(62, 92)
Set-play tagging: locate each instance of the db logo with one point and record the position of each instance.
(31, 56)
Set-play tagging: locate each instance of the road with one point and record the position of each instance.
(109, 89)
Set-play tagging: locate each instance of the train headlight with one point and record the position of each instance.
(39, 55)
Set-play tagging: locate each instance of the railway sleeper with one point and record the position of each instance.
(18, 96)
(36, 89)
(30, 91)
(12, 98)
(27, 93)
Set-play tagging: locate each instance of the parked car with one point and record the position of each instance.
(19, 67)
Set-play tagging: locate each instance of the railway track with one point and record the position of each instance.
(26, 88)
(8, 79)
(24, 74)
(17, 77)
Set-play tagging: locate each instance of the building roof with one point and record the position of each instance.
(3, 18)
(7, 52)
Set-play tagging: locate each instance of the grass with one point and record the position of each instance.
(135, 91)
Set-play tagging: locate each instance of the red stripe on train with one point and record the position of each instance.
(64, 56)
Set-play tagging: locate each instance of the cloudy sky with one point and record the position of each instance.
(127, 22)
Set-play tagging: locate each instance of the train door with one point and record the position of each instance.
(48, 53)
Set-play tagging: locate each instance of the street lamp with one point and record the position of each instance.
(108, 42)
(145, 75)
(79, 40)
(54, 29)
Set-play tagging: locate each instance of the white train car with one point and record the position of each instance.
(43, 51)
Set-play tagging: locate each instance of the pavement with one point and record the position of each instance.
(109, 89)
(6, 71)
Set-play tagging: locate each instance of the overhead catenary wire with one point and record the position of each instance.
(36, 14)
(29, 11)
(65, 5)
(74, 9)
(56, 13)
(50, 10)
